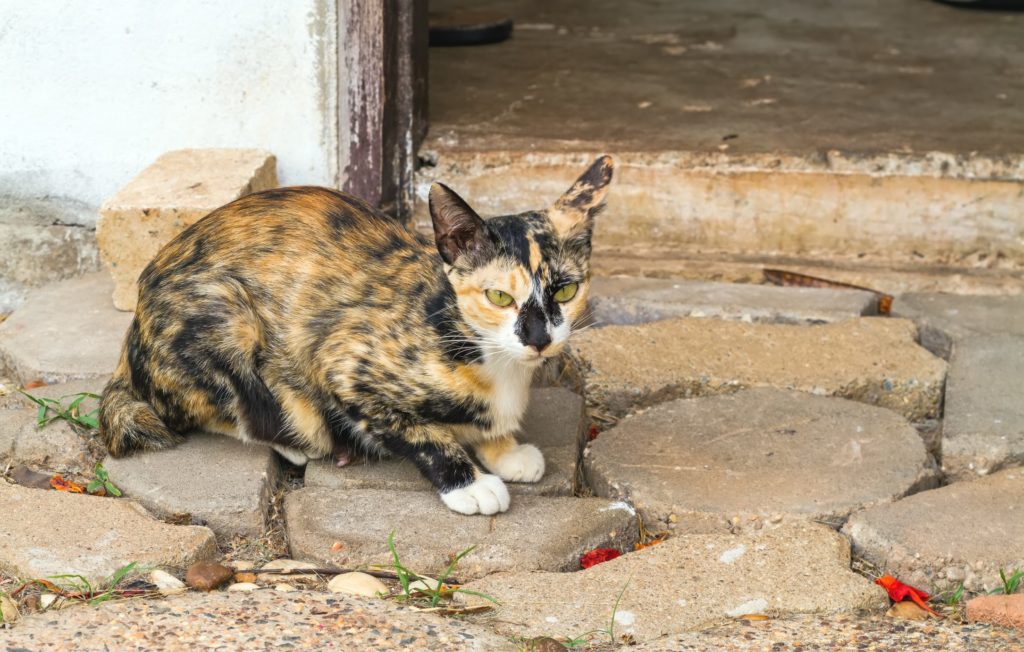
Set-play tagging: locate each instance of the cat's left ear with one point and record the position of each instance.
(584, 199)
(458, 229)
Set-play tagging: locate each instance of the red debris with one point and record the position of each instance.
(598, 556)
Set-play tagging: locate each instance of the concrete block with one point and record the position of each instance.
(625, 300)
(871, 359)
(963, 532)
(536, 533)
(757, 455)
(178, 189)
(216, 480)
(688, 582)
(553, 423)
(943, 319)
(67, 330)
(53, 532)
(983, 430)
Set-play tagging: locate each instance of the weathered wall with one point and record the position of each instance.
(92, 92)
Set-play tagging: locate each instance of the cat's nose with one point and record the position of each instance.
(539, 340)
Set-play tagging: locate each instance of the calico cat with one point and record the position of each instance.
(305, 319)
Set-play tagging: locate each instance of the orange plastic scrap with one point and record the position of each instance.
(898, 592)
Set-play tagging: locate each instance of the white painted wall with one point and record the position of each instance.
(92, 92)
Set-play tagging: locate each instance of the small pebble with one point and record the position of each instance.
(46, 601)
(245, 577)
(907, 610)
(357, 584)
(425, 584)
(166, 583)
(207, 576)
(284, 588)
(242, 565)
(243, 587)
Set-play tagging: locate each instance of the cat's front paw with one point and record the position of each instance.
(486, 495)
(524, 463)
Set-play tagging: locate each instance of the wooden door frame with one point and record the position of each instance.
(382, 99)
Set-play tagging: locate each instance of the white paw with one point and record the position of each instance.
(486, 495)
(293, 455)
(524, 463)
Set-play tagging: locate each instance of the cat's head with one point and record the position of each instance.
(521, 280)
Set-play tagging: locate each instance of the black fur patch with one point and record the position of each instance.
(447, 468)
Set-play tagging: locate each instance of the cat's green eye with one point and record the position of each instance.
(499, 298)
(566, 292)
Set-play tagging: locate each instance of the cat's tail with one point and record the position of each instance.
(129, 424)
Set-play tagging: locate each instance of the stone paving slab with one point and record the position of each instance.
(841, 632)
(553, 422)
(757, 455)
(965, 532)
(536, 533)
(221, 482)
(176, 190)
(625, 300)
(689, 582)
(45, 240)
(259, 620)
(57, 446)
(945, 318)
(872, 360)
(54, 447)
(64, 331)
(983, 430)
(50, 533)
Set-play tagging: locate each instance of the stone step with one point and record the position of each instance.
(64, 331)
(177, 189)
(553, 422)
(631, 300)
(350, 528)
(964, 532)
(893, 277)
(872, 360)
(49, 533)
(691, 202)
(756, 456)
(983, 430)
(688, 582)
(208, 479)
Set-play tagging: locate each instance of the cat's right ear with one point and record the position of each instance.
(458, 230)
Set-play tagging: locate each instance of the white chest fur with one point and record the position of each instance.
(510, 395)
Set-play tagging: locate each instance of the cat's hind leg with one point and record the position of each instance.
(511, 460)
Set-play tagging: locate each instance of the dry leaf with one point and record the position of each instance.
(8, 609)
(61, 484)
(26, 477)
(653, 542)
